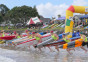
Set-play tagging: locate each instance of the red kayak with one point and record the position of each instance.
(7, 37)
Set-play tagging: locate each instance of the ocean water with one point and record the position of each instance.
(11, 54)
(5, 59)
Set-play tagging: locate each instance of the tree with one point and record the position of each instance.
(34, 12)
(22, 14)
(3, 11)
(59, 15)
(1, 19)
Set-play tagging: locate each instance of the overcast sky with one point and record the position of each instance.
(47, 8)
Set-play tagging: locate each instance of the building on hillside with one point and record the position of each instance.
(77, 20)
(77, 17)
(60, 20)
(45, 20)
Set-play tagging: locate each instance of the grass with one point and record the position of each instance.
(43, 29)
(12, 28)
(47, 29)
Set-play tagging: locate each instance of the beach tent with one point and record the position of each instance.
(34, 20)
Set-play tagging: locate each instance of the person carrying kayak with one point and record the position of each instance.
(18, 35)
(25, 33)
(29, 35)
(38, 38)
(85, 42)
(14, 33)
(2, 33)
(21, 39)
(67, 40)
(56, 38)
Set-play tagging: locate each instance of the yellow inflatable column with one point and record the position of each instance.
(68, 22)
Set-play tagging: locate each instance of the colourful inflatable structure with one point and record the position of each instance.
(69, 14)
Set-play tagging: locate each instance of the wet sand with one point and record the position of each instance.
(33, 55)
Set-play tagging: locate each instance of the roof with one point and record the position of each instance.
(45, 19)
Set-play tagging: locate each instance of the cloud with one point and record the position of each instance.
(79, 2)
(49, 10)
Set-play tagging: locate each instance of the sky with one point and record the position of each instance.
(46, 8)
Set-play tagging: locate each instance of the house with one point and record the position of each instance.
(45, 20)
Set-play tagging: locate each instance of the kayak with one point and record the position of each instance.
(60, 42)
(48, 41)
(43, 43)
(19, 39)
(33, 39)
(28, 43)
(7, 37)
(26, 39)
(72, 44)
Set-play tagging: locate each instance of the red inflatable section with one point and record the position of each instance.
(7, 37)
(71, 8)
